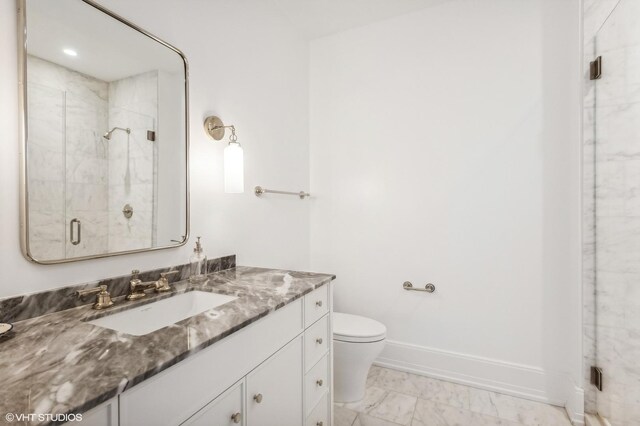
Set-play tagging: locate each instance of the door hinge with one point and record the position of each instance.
(595, 69)
(596, 377)
(151, 135)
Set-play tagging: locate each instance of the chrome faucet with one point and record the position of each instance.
(137, 287)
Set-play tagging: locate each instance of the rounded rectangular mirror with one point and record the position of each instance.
(104, 134)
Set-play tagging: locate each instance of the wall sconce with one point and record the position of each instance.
(233, 154)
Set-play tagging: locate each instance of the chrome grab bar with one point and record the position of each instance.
(73, 239)
(259, 191)
(429, 288)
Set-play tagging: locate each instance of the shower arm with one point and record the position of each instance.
(128, 130)
(107, 135)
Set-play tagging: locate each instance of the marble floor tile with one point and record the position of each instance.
(398, 398)
(396, 407)
(480, 401)
(527, 412)
(448, 393)
(343, 416)
(372, 398)
(374, 374)
(399, 381)
(424, 387)
(365, 420)
(429, 413)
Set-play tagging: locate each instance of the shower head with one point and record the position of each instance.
(107, 135)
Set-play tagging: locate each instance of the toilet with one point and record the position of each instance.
(357, 342)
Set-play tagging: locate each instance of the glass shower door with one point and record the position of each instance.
(617, 214)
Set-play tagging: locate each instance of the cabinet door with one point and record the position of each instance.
(225, 410)
(274, 389)
(105, 414)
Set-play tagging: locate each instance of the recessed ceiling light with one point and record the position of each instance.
(70, 52)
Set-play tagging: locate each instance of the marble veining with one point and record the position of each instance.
(75, 173)
(58, 363)
(133, 104)
(397, 398)
(27, 306)
(611, 210)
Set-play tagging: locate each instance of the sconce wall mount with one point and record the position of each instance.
(233, 154)
(214, 127)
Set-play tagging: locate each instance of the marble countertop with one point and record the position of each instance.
(58, 363)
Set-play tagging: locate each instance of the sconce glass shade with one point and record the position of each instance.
(233, 168)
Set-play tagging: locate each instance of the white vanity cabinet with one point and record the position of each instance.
(276, 371)
(226, 410)
(105, 414)
(274, 389)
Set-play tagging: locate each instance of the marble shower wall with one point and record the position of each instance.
(75, 173)
(68, 161)
(133, 103)
(612, 209)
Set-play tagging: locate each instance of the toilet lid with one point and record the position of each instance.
(357, 329)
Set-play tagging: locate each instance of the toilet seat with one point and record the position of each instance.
(356, 329)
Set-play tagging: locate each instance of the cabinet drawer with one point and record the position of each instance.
(316, 342)
(225, 410)
(316, 383)
(316, 304)
(320, 414)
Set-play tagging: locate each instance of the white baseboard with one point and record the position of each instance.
(499, 376)
(575, 404)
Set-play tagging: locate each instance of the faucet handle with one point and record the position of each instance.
(103, 298)
(135, 279)
(163, 284)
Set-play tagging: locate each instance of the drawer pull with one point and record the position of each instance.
(319, 303)
(257, 398)
(319, 340)
(319, 423)
(236, 417)
(319, 382)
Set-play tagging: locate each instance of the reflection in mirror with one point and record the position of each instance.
(106, 145)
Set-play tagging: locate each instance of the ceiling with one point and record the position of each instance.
(319, 18)
(109, 51)
(106, 49)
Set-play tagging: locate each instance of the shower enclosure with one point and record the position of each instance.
(612, 314)
(93, 156)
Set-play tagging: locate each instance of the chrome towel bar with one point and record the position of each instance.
(260, 190)
(429, 288)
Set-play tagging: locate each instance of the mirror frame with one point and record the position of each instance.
(23, 136)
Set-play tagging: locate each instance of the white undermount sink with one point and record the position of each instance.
(156, 315)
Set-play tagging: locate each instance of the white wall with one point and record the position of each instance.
(445, 149)
(248, 67)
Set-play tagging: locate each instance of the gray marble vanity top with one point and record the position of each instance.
(58, 363)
